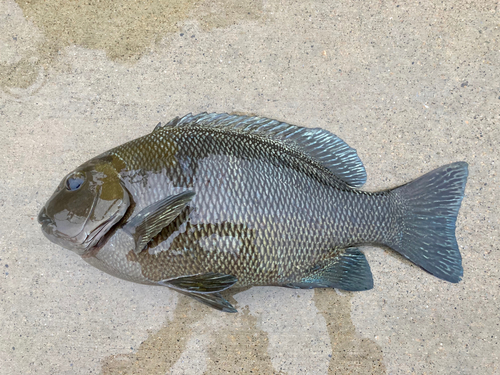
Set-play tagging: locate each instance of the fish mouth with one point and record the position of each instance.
(48, 226)
(84, 241)
(94, 232)
(49, 229)
(105, 230)
(43, 218)
(102, 231)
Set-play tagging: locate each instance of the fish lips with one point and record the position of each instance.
(85, 239)
(50, 231)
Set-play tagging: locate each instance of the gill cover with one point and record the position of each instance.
(87, 203)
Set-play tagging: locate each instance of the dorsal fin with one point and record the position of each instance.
(319, 144)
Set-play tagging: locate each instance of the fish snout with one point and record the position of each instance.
(48, 226)
(43, 218)
(50, 231)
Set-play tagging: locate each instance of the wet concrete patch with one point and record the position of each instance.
(350, 353)
(198, 340)
(298, 339)
(262, 338)
(240, 348)
(123, 29)
(161, 350)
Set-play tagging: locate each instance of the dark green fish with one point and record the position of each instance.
(212, 201)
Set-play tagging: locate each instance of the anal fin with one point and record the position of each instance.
(349, 271)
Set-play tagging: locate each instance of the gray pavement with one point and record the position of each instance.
(410, 85)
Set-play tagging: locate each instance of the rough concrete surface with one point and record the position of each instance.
(410, 85)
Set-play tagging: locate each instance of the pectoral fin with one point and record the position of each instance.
(152, 219)
(204, 288)
(349, 271)
(203, 283)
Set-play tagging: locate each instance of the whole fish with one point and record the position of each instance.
(212, 201)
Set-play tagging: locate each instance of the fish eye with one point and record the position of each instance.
(74, 181)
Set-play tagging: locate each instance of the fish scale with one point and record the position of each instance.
(211, 201)
(284, 248)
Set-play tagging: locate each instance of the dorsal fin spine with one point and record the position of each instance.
(319, 144)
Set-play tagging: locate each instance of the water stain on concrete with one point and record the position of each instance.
(351, 354)
(122, 28)
(240, 348)
(236, 344)
(161, 350)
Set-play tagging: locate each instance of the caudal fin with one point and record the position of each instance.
(429, 209)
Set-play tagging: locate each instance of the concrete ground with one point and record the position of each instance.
(410, 85)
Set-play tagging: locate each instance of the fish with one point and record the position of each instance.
(209, 202)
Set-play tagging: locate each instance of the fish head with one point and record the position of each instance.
(88, 202)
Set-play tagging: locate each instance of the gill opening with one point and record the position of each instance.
(92, 208)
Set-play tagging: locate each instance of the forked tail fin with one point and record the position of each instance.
(429, 209)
